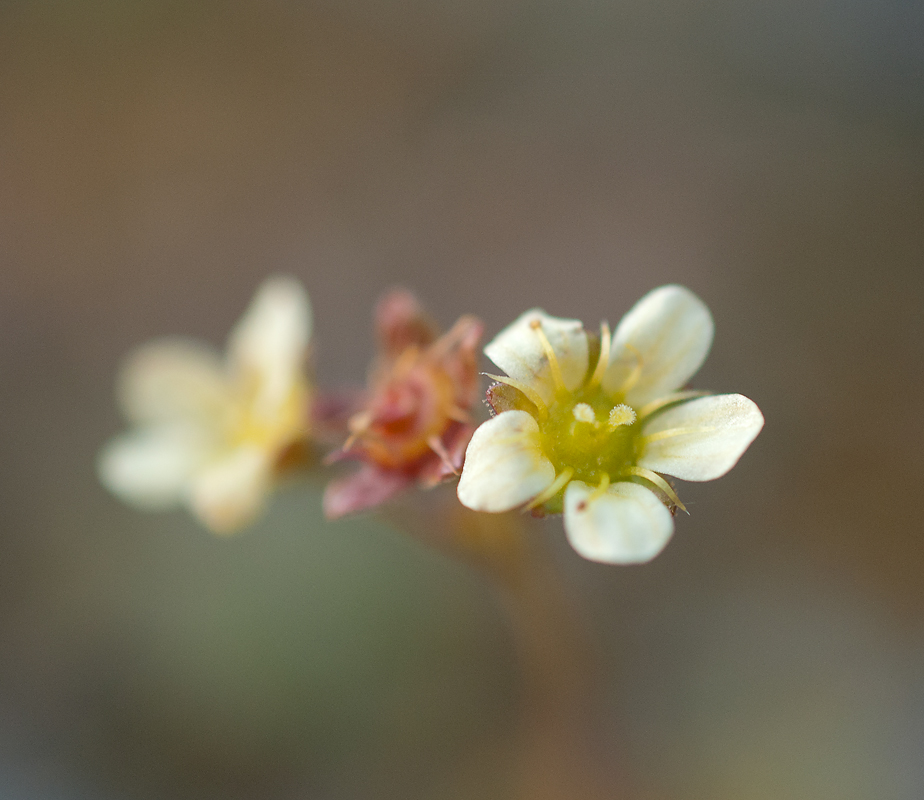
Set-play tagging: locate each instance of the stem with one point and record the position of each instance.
(558, 667)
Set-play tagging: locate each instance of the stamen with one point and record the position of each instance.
(604, 360)
(458, 414)
(671, 432)
(601, 487)
(452, 337)
(636, 373)
(676, 397)
(658, 481)
(358, 424)
(407, 358)
(584, 413)
(620, 415)
(527, 390)
(437, 446)
(553, 489)
(555, 369)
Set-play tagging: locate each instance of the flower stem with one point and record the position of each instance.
(554, 755)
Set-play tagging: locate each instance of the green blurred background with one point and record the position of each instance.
(159, 159)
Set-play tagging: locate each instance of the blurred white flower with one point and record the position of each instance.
(589, 427)
(210, 432)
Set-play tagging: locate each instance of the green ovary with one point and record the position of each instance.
(584, 432)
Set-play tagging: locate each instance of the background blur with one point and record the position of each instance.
(159, 159)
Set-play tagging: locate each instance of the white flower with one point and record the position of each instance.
(210, 431)
(591, 432)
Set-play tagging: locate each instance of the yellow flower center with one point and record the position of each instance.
(586, 432)
(269, 429)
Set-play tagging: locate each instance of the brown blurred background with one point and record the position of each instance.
(159, 159)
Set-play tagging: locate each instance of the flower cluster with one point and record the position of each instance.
(589, 426)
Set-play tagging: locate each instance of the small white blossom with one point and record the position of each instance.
(209, 431)
(593, 435)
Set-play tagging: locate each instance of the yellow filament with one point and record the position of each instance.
(601, 488)
(658, 481)
(671, 432)
(676, 397)
(553, 489)
(555, 369)
(629, 383)
(604, 360)
(527, 390)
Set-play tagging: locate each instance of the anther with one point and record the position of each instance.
(584, 413)
(620, 415)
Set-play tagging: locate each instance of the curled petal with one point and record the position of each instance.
(230, 492)
(267, 348)
(401, 322)
(519, 351)
(457, 354)
(447, 456)
(172, 380)
(626, 524)
(149, 468)
(658, 345)
(362, 490)
(702, 439)
(504, 464)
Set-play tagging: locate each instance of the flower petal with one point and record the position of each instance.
(627, 524)
(150, 468)
(504, 464)
(401, 322)
(368, 487)
(668, 334)
(456, 352)
(230, 492)
(519, 352)
(267, 348)
(172, 379)
(702, 439)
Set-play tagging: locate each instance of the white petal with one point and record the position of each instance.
(519, 352)
(504, 464)
(669, 331)
(230, 492)
(267, 348)
(627, 524)
(172, 380)
(150, 468)
(709, 435)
